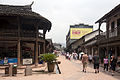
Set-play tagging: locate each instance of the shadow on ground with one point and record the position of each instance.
(42, 72)
(116, 75)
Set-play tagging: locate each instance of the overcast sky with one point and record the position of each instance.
(63, 13)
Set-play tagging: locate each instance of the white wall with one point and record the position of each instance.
(88, 37)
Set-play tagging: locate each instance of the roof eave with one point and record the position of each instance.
(103, 19)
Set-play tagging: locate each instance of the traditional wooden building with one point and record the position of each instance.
(87, 43)
(109, 41)
(57, 46)
(76, 45)
(49, 46)
(90, 42)
(19, 33)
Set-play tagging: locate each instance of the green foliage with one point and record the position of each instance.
(48, 57)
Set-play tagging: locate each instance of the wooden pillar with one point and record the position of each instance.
(44, 47)
(107, 50)
(18, 44)
(107, 36)
(98, 38)
(99, 27)
(36, 45)
(44, 32)
(36, 53)
(115, 51)
(18, 52)
(92, 51)
(98, 50)
(39, 49)
(107, 28)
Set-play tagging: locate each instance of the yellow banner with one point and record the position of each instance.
(76, 33)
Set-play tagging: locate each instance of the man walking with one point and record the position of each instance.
(96, 62)
(84, 61)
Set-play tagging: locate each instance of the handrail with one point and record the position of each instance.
(112, 33)
(23, 33)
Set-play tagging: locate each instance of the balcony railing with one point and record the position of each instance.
(8, 33)
(23, 33)
(103, 33)
(27, 34)
(112, 33)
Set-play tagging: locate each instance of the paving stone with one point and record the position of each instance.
(70, 70)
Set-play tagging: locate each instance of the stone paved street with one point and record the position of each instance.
(71, 70)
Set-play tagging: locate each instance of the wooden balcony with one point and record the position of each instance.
(112, 33)
(8, 33)
(23, 33)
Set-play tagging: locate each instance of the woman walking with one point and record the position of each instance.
(106, 63)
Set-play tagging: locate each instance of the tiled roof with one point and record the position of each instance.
(12, 10)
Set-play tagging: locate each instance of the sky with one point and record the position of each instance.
(63, 13)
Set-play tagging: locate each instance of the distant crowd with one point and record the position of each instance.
(109, 64)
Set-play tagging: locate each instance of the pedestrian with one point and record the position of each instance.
(90, 58)
(113, 64)
(84, 61)
(69, 57)
(74, 55)
(96, 62)
(118, 61)
(105, 63)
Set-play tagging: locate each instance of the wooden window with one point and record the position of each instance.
(118, 22)
(112, 26)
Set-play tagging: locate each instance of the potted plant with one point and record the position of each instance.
(50, 59)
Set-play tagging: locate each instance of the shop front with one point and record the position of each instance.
(20, 39)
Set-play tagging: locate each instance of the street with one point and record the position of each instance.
(70, 70)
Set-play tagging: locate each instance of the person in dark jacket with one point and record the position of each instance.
(96, 62)
(113, 64)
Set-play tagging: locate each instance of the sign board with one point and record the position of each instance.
(12, 60)
(27, 61)
(1, 62)
(5, 61)
(76, 33)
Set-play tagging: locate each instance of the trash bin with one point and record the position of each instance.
(6, 70)
(28, 71)
(11, 70)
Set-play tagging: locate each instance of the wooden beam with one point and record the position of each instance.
(99, 27)
(18, 19)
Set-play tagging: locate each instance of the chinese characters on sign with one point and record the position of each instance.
(76, 33)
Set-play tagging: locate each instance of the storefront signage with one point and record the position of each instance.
(1, 62)
(27, 61)
(76, 33)
(12, 60)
